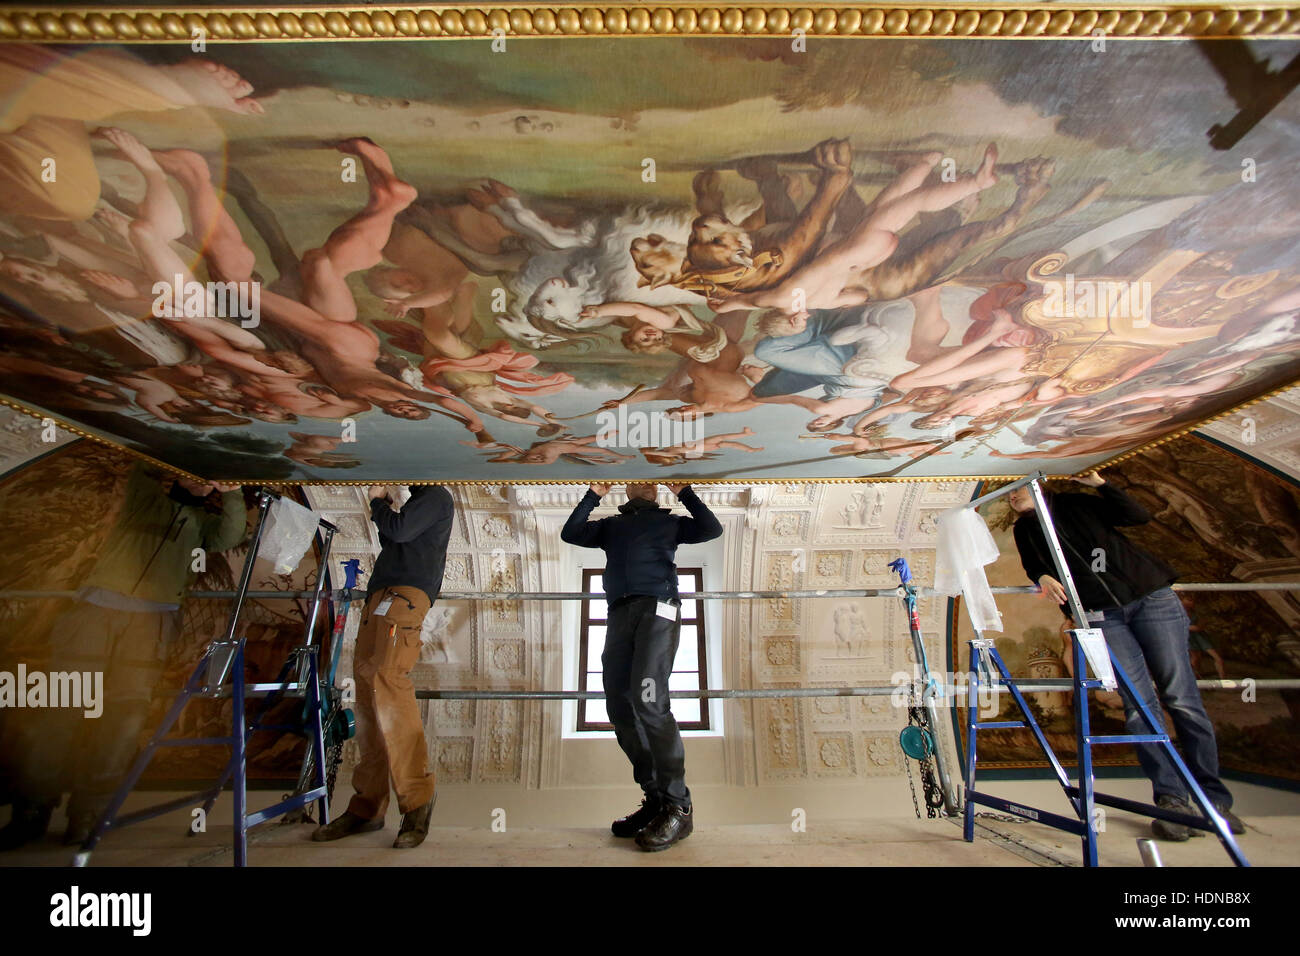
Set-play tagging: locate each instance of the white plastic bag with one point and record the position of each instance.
(965, 547)
(287, 535)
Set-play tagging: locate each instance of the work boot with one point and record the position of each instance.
(1167, 829)
(29, 822)
(415, 826)
(672, 825)
(637, 820)
(79, 827)
(346, 825)
(1234, 821)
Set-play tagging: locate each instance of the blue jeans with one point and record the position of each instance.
(1148, 637)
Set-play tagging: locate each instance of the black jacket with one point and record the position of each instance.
(1084, 524)
(641, 542)
(413, 541)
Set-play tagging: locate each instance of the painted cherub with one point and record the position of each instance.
(701, 450)
(548, 452)
(875, 442)
(319, 451)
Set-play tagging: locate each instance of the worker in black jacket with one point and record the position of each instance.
(1125, 592)
(640, 580)
(406, 580)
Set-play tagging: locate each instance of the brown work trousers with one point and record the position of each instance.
(389, 730)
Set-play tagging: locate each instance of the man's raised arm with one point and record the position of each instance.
(1120, 508)
(702, 525)
(578, 530)
(417, 515)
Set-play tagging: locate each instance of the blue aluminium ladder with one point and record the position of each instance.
(1083, 797)
(331, 716)
(225, 659)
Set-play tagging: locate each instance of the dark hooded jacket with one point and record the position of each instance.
(640, 542)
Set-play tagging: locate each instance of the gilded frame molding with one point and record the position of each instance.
(250, 23)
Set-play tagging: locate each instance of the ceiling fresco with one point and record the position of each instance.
(607, 258)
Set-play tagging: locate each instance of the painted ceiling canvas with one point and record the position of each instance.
(646, 257)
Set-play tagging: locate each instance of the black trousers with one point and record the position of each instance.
(639, 650)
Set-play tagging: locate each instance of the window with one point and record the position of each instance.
(690, 668)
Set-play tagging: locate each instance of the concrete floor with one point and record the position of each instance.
(1272, 839)
(852, 843)
(1268, 841)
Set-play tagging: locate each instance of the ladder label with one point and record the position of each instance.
(1093, 642)
(1022, 811)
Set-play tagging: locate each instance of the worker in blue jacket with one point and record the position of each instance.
(640, 579)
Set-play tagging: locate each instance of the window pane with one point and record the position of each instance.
(686, 711)
(686, 670)
(684, 680)
(688, 650)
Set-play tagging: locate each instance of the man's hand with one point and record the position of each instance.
(225, 486)
(677, 489)
(378, 491)
(1091, 479)
(600, 490)
(200, 489)
(1052, 589)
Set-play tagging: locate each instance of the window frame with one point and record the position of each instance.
(585, 623)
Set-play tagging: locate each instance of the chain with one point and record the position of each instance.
(916, 717)
(933, 793)
(930, 785)
(907, 763)
(929, 780)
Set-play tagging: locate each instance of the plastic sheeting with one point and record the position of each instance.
(965, 547)
(287, 535)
